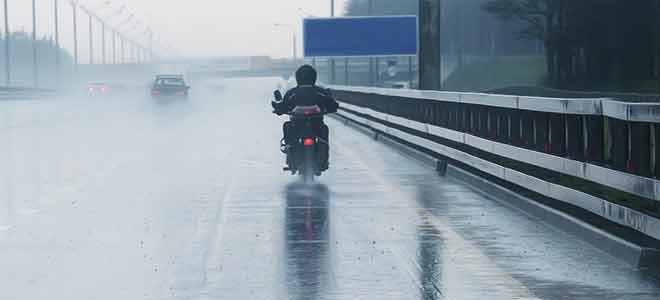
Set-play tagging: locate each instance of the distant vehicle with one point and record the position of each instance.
(102, 89)
(169, 86)
(96, 89)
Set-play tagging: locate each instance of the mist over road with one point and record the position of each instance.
(132, 198)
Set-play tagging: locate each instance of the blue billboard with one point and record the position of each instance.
(360, 36)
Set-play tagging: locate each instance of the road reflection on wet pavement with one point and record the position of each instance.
(187, 200)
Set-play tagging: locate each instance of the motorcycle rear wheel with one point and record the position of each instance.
(309, 165)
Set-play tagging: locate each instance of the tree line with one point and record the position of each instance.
(587, 44)
(21, 58)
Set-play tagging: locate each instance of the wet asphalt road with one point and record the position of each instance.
(136, 199)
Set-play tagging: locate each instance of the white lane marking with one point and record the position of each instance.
(215, 238)
(505, 282)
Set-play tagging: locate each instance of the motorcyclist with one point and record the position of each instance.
(307, 93)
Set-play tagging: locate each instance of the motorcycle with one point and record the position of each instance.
(303, 156)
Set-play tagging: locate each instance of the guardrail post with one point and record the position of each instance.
(515, 128)
(429, 112)
(491, 123)
(482, 127)
(451, 116)
(460, 117)
(639, 158)
(465, 118)
(527, 130)
(557, 134)
(594, 149)
(618, 143)
(472, 119)
(503, 117)
(425, 114)
(575, 141)
(541, 131)
(443, 117)
(655, 161)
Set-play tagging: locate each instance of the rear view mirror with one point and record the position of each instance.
(277, 95)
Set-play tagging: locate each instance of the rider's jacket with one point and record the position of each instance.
(307, 95)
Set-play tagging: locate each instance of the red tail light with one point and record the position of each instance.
(311, 111)
(308, 142)
(181, 93)
(90, 89)
(155, 92)
(104, 89)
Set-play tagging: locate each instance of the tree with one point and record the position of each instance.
(611, 43)
(543, 22)
(21, 57)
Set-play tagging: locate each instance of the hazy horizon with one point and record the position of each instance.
(196, 28)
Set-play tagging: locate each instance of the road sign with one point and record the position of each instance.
(360, 36)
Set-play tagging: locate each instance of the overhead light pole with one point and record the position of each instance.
(103, 61)
(333, 75)
(7, 47)
(123, 49)
(91, 34)
(371, 59)
(74, 7)
(35, 72)
(114, 47)
(57, 42)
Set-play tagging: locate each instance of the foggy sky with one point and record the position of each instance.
(195, 28)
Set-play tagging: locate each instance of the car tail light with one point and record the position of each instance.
(308, 142)
(90, 89)
(181, 93)
(155, 92)
(104, 89)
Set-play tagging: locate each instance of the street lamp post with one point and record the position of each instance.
(75, 33)
(333, 74)
(7, 47)
(371, 59)
(35, 73)
(103, 61)
(295, 46)
(151, 45)
(123, 48)
(91, 39)
(114, 47)
(57, 43)
(132, 53)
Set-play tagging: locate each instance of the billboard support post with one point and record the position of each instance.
(430, 60)
(371, 60)
(333, 75)
(410, 72)
(346, 70)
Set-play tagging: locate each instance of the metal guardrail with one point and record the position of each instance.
(626, 111)
(600, 140)
(11, 93)
(614, 212)
(641, 186)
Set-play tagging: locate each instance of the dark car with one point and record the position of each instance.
(169, 86)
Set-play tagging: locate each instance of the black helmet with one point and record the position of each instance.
(306, 75)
